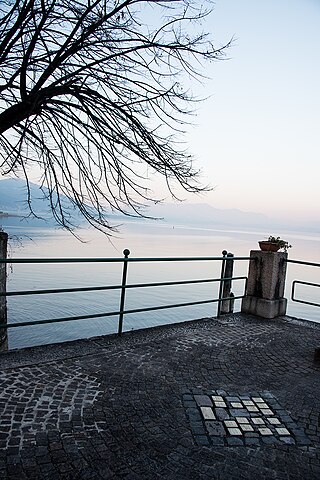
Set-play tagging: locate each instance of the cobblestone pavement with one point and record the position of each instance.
(236, 398)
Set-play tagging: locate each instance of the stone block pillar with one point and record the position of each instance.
(266, 282)
(3, 286)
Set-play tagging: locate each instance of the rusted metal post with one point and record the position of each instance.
(3, 288)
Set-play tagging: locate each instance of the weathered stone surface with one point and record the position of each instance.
(266, 283)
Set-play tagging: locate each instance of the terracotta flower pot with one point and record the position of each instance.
(266, 246)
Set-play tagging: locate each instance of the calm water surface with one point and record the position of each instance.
(143, 240)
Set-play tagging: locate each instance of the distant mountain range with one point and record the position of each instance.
(13, 200)
(13, 195)
(204, 214)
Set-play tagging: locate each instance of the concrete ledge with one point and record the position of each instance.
(264, 308)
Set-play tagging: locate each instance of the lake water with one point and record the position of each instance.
(143, 239)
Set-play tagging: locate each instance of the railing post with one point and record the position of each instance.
(3, 288)
(222, 275)
(126, 254)
(227, 305)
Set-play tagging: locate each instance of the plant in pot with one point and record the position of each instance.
(273, 244)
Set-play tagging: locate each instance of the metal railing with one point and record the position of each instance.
(225, 299)
(300, 282)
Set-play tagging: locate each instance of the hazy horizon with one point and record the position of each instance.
(190, 213)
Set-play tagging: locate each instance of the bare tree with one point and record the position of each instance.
(91, 91)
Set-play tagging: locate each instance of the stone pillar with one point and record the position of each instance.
(266, 282)
(3, 286)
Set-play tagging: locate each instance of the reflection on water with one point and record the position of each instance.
(143, 240)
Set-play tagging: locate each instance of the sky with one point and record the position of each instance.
(257, 137)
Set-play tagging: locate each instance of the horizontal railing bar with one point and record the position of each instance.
(58, 290)
(306, 283)
(307, 303)
(114, 287)
(300, 262)
(303, 301)
(114, 260)
(188, 304)
(109, 314)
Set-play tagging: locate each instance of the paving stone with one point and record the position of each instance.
(273, 421)
(282, 431)
(242, 420)
(252, 409)
(238, 412)
(232, 399)
(252, 441)
(207, 413)
(258, 421)
(270, 440)
(246, 428)
(266, 412)
(230, 424)
(287, 440)
(265, 431)
(217, 441)
(202, 440)
(215, 428)
(222, 414)
(235, 441)
(203, 400)
(234, 431)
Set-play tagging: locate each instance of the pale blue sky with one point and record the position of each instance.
(257, 138)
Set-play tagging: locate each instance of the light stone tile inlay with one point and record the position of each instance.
(231, 424)
(266, 411)
(234, 431)
(241, 419)
(246, 428)
(283, 431)
(274, 421)
(265, 431)
(252, 409)
(207, 413)
(258, 421)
